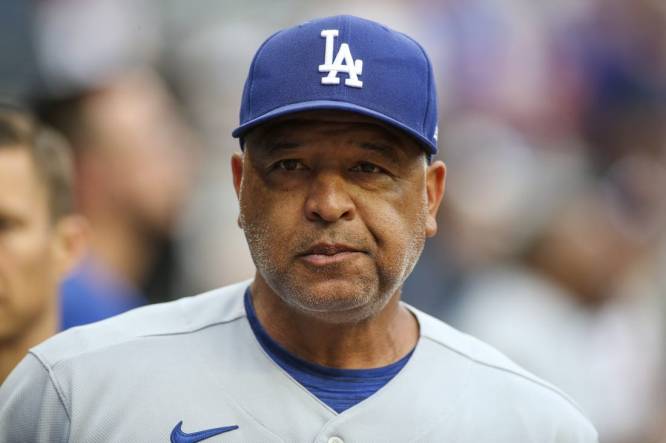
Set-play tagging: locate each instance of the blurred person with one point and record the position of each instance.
(500, 59)
(620, 51)
(41, 237)
(502, 189)
(133, 166)
(583, 309)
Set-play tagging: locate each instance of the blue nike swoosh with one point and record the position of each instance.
(178, 436)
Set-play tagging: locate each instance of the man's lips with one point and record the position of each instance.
(329, 253)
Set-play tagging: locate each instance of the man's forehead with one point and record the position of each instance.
(322, 120)
(19, 180)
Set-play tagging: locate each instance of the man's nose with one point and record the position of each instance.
(328, 199)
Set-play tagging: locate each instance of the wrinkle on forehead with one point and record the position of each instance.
(283, 133)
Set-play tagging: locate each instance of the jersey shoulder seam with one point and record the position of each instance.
(130, 339)
(533, 380)
(192, 330)
(54, 381)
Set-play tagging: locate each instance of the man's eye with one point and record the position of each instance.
(289, 165)
(367, 168)
(7, 224)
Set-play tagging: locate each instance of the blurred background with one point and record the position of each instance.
(552, 242)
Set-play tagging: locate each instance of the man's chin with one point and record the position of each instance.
(333, 300)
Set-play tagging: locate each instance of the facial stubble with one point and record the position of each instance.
(370, 293)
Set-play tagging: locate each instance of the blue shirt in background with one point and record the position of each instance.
(92, 293)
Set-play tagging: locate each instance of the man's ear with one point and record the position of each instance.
(70, 242)
(237, 171)
(435, 186)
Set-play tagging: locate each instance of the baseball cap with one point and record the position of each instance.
(343, 63)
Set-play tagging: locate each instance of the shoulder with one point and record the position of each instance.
(184, 316)
(495, 383)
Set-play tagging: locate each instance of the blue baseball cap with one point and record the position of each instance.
(343, 63)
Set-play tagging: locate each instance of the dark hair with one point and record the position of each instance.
(50, 154)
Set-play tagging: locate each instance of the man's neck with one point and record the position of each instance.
(374, 342)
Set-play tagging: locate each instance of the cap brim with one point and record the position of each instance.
(332, 105)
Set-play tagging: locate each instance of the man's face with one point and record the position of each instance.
(336, 208)
(137, 153)
(28, 277)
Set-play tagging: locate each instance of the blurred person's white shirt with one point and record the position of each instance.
(609, 360)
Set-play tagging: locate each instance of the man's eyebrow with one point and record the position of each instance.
(384, 149)
(271, 147)
(8, 217)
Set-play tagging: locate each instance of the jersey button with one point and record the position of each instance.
(335, 440)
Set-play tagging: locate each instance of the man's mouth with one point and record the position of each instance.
(323, 254)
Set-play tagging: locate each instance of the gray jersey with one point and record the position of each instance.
(170, 372)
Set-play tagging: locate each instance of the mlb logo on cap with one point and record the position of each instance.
(345, 63)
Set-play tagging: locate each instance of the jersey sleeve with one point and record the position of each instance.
(584, 432)
(31, 408)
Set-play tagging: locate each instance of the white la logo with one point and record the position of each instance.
(344, 62)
